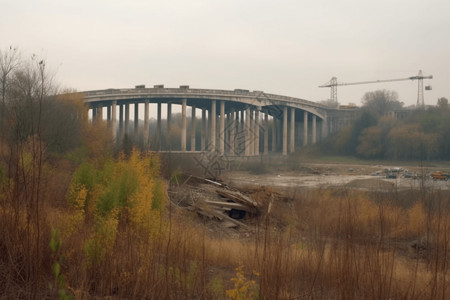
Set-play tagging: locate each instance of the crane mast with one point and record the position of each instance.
(333, 84)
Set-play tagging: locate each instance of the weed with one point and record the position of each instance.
(243, 287)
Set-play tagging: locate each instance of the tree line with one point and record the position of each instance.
(377, 133)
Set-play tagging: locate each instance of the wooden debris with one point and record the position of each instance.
(213, 182)
(231, 205)
(237, 197)
(214, 200)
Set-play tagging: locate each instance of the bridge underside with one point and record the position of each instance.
(224, 127)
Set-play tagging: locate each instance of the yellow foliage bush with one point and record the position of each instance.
(119, 196)
(243, 288)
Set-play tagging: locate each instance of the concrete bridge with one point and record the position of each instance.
(238, 122)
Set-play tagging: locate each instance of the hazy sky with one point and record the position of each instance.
(286, 47)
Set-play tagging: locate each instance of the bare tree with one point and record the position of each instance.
(26, 88)
(9, 61)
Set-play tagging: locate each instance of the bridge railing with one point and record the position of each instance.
(166, 91)
(189, 91)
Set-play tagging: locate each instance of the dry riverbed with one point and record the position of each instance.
(365, 177)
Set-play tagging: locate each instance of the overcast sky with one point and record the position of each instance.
(286, 47)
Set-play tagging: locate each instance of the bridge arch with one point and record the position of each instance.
(239, 122)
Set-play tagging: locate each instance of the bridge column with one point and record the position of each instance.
(279, 133)
(158, 127)
(108, 113)
(121, 121)
(252, 131)
(274, 134)
(127, 118)
(285, 115)
(227, 132)
(100, 112)
(193, 128)
(113, 119)
(232, 131)
(203, 132)
(213, 125)
(136, 121)
(222, 128)
(146, 124)
(241, 133)
(292, 133)
(314, 129)
(247, 126)
(183, 124)
(266, 133)
(169, 125)
(324, 131)
(305, 128)
(94, 112)
(256, 133)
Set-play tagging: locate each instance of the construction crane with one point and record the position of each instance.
(333, 84)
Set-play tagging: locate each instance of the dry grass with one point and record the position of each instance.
(322, 244)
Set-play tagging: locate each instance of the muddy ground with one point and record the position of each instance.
(322, 175)
(279, 189)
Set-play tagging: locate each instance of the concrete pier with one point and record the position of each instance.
(292, 132)
(285, 116)
(305, 128)
(266, 133)
(222, 128)
(127, 118)
(248, 131)
(212, 115)
(169, 126)
(232, 131)
(113, 119)
(314, 129)
(256, 134)
(183, 125)
(146, 124)
(136, 120)
(158, 127)
(203, 131)
(193, 128)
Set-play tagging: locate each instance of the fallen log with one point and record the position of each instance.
(232, 205)
(237, 197)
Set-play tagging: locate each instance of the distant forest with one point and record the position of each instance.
(420, 134)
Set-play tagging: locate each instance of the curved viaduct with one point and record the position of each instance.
(239, 122)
